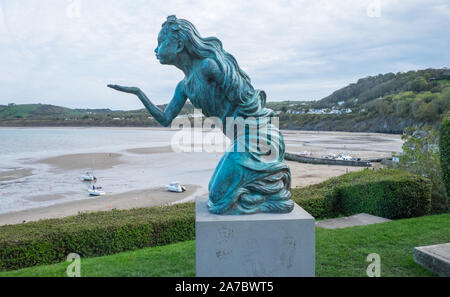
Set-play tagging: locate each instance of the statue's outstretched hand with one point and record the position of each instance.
(131, 90)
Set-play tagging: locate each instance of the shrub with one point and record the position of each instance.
(393, 197)
(384, 192)
(390, 193)
(317, 199)
(94, 234)
(421, 156)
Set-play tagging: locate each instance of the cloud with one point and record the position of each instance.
(65, 52)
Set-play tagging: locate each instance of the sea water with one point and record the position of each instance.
(22, 147)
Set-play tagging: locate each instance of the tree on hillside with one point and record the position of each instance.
(419, 84)
(421, 156)
(372, 87)
(444, 147)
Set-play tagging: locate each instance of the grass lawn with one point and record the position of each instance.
(340, 252)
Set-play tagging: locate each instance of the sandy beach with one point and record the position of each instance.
(81, 161)
(357, 144)
(127, 200)
(151, 150)
(302, 175)
(56, 190)
(15, 174)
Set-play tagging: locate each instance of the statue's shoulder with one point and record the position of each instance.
(210, 69)
(181, 87)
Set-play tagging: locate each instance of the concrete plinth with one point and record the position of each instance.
(435, 258)
(254, 245)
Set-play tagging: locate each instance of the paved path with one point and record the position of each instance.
(360, 219)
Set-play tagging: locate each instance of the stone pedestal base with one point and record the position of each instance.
(254, 245)
(435, 258)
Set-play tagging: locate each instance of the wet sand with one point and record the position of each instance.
(319, 143)
(356, 144)
(45, 197)
(302, 175)
(82, 161)
(128, 200)
(361, 145)
(15, 174)
(308, 174)
(151, 150)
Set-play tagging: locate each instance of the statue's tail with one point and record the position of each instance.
(268, 194)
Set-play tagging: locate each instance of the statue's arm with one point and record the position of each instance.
(163, 117)
(171, 111)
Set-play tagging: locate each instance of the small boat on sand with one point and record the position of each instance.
(96, 191)
(88, 176)
(175, 187)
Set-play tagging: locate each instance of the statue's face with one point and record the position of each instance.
(167, 49)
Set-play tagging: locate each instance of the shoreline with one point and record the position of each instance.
(303, 175)
(83, 160)
(14, 174)
(133, 199)
(50, 177)
(89, 127)
(174, 129)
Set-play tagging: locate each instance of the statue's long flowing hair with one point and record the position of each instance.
(266, 189)
(236, 83)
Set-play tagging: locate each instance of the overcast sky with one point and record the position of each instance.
(64, 52)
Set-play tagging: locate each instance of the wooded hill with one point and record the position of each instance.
(383, 103)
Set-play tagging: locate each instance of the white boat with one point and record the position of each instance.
(88, 176)
(331, 156)
(346, 157)
(175, 187)
(96, 191)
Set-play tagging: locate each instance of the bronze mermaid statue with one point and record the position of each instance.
(246, 181)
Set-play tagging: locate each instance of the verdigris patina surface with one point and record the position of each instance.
(248, 179)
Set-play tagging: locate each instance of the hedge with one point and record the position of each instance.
(387, 193)
(94, 234)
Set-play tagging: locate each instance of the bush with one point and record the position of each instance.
(395, 197)
(317, 199)
(421, 156)
(388, 193)
(94, 234)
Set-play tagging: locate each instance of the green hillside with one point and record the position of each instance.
(51, 115)
(373, 87)
(23, 111)
(386, 103)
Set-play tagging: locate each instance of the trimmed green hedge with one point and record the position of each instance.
(94, 234)
(388, 193)
(317, 199)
